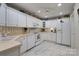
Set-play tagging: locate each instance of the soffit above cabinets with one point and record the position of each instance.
(45, 10)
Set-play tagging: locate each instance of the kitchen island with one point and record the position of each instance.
(10, 48)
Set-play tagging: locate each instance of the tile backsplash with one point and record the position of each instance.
(17, 30)
(11, 30)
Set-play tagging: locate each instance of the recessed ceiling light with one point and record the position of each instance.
(59, 4)
(45, 16)
(39, 11)
(61, 13)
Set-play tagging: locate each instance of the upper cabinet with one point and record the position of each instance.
(15, 18)
(21, 19)
(33, 22)
(12, 17)
(40, 23)
(51, 23)
(30, 21)
(2, 14)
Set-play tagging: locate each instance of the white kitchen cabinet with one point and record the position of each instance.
(24, 44)
(48, 24)
(40, 23)
(59, 32)
(63, 31)
(31, 41)
(21, 19)
(30, 21)
(2, 14)
(48, 36)
(52, 36)
(33, 22)
(51, 23)
(12, 17)
(72, 30)
(44, 36)
(66, 31)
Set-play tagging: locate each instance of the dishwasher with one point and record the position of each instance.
(38, 40)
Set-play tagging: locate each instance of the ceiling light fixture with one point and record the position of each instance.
(60, 13)
(39, 11)
(59, 4)
(45, 16)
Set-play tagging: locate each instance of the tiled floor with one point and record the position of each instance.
(51, 49)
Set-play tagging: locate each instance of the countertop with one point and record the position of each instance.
(5, 45)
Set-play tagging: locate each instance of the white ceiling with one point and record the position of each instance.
(52, 8)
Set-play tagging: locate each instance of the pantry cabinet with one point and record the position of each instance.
(63, 31)
(12, 17)
(66, 31)
(59, 32)
(72, 30)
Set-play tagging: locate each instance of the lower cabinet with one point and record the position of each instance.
(31, 41)
(43, 36)
(24, 45)
(52, 36)
(48, 36)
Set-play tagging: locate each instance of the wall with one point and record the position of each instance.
(17, 30)
(11, 30)
(76, 26)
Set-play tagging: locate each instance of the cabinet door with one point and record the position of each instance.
(52, 37)
(39, 23)
(12, 17)
(59, 32)
(31, 41)
(66, 31)
(72, 30)
(21, 19)
(29, 21)
(24, 43)
(2, 15)
(44, 36)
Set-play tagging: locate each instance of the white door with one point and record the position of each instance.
(21, 19)
(2, 14)
(59, 31)
(66, 31)
(12, 17)
(31, 41)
